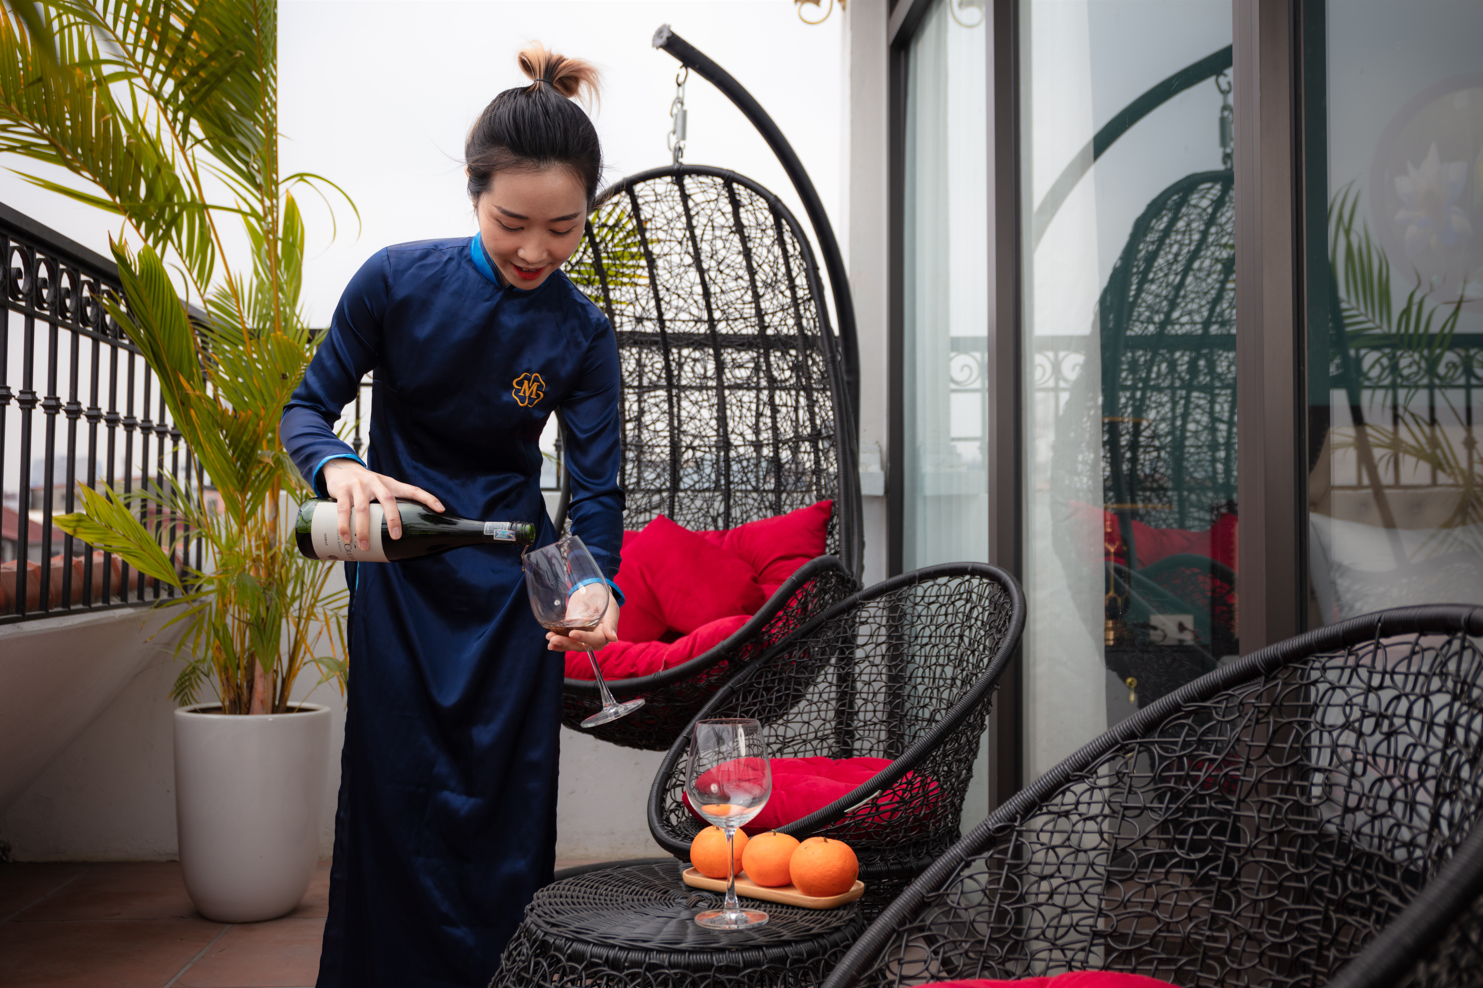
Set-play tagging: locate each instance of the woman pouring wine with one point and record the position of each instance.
(447, 813)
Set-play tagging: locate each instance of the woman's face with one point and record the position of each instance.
(531, 222)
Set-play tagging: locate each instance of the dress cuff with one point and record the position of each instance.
(318, 478)
(599, 579)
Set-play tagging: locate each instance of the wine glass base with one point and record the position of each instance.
(743, 919)
(607, 714)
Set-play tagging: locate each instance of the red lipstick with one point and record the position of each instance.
(527, 274)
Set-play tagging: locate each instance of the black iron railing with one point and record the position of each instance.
(78, 405)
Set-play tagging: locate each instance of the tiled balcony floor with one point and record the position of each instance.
(131, 925)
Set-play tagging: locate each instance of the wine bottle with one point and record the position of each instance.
(424, 533)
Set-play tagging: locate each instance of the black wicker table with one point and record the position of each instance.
(634, 927)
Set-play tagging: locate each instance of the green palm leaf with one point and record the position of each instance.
(66, 114)
(109, 524)
(147, 103)
(611, 253)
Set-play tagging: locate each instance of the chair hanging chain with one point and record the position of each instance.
(675, 140)
(1227, 120)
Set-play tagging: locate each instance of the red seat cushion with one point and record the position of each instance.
(1071, 979)
(627, 660)
(802, 785)
(776, 547)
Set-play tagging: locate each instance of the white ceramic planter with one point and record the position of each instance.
(248, 792)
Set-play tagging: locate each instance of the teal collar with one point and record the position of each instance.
(481, 261)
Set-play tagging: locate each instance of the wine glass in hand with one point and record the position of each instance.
(568, 593)
(728, 782)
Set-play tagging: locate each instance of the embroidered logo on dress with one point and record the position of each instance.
(529, 389)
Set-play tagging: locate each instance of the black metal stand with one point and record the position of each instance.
(839, 283)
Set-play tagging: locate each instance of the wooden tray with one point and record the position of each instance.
(788, 895)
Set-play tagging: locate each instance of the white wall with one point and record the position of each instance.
(600, 811)
(57, 675)
(110, 794)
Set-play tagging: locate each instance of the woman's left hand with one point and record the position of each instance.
(583, 641)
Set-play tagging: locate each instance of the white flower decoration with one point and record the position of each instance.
(1429, 211)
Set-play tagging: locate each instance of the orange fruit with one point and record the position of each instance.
(767, 856)
(708, 851)
(822, 867)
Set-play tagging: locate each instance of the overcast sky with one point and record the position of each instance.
(378, 96)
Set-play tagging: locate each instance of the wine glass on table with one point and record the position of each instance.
(568, 593)
(728, 782)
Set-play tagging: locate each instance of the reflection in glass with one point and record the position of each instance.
(1130, 342)
(1395, 329)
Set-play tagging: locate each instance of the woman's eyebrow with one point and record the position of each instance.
(517, 216)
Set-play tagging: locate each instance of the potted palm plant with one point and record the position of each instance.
(167, 113)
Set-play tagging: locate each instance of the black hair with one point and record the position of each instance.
(538, 126)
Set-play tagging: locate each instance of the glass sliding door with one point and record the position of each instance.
(946, 316)
(1394, 205)
(1129, 321)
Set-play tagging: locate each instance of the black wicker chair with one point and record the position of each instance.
(904, 670)
(734, 404)
(1438, 941)
(1259, 826)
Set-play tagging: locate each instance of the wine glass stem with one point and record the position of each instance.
(731, 907)
(602, 687)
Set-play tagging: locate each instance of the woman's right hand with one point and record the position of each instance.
(354, 488)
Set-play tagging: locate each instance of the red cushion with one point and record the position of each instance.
(626, 660)
(776, 547)
(640, 619)
(663, 566)
(1071, 979)
(802, 785)
(690, 580)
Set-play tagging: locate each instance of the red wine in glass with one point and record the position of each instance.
(569, 593)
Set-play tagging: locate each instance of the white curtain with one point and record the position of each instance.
(946, 299)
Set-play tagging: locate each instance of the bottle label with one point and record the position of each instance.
(499, 531)
(325, 530)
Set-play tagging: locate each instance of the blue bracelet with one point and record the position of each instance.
(599, 579)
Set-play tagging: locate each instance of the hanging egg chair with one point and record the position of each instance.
(733, 405)
(737, 419)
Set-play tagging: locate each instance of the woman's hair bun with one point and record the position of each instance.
(538, 126)
(571, 77)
